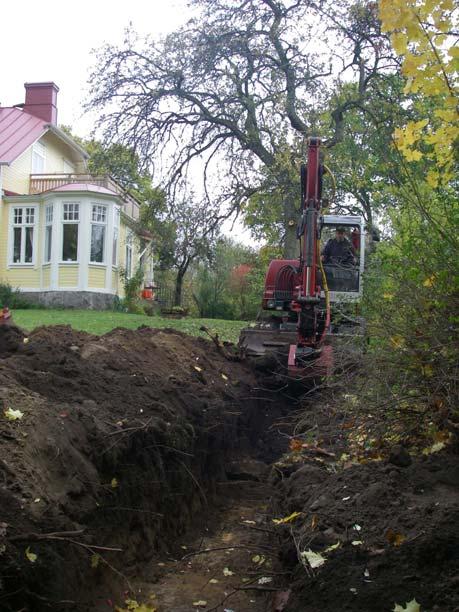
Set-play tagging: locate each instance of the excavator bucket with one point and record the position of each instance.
(265, 339)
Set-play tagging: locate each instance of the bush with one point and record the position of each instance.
(132, 286)
(411, 305)
(12, 298)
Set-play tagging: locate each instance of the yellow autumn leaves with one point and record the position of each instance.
(420, 32)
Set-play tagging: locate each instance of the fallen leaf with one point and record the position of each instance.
(356, 542)
(259, 559)
(435, 448)
(250, 522)
(314, 559)
(396, 539)
(25, 341)
(224, 377)
(227, 572)
(213, 581)
(314, 521)
(295, 445)
(114, 483)
(333, 547)
(13, 415)
(411, 606)
(353, 591)
(265, 580)
(133, 606)
(200, 604)
(32, 557)
(287, 519)
(95, 560)
(198, 369)
(357, 527)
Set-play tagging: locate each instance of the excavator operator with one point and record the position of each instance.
(339, 250)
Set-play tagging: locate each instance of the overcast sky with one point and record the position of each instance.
(51, 40)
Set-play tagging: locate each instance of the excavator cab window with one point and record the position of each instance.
(340, 256)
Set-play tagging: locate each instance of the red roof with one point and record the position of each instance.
(18, 131)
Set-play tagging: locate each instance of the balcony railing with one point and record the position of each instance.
(45, 182)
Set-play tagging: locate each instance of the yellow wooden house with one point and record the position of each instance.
(64, 234)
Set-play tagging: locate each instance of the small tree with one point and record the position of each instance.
(194, 227)
(132, 286)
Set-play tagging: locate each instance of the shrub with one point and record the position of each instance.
(12, 298)
(132, 286)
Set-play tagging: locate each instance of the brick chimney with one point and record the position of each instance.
(41, 100)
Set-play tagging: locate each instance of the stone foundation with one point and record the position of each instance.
(89, 300)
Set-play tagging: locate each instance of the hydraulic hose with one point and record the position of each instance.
(333, 180)
(326, 291)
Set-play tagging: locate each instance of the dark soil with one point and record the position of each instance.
(397, 527)
(122, 444)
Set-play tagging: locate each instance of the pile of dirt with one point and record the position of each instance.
(110, 447)
(385, 530)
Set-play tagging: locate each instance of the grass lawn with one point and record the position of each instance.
(99, 322)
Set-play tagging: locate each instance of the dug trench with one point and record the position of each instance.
(144, 470)
(117, 450)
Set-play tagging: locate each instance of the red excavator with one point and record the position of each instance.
(299, 293)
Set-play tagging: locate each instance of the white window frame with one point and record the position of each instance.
(129, 249)
(99, 217)
(73, 218)
(38, 153)
(26, 211)
(116, 236)
(48, 225)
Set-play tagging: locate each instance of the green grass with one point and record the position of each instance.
(99, 322)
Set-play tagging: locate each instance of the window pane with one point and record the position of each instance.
(38, 163)
(99, 213)
(49, 214)
(115, 247)
(30, 215)
(97, 243)
(17, 245)
(70, 242)
(48, 241)
(29, 244)
(17, 216)
(128, 261)
(71, 212)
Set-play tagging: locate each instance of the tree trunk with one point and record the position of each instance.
(291, 244)
(179, 287)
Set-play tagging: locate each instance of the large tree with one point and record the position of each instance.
(235, 87)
